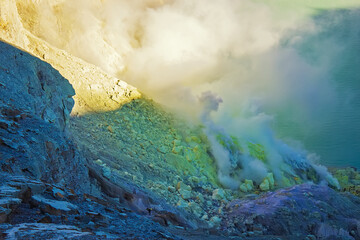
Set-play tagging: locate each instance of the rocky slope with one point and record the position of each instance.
(45, 179)
(121, 161)
(315, 209)
(49, 190)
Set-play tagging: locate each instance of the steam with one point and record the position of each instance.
(163, 46)
(211, 103)
(280, 157)
(174, 50)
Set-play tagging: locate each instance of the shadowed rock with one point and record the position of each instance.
(297, 211)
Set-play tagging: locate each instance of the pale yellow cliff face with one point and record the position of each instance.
(95, 90)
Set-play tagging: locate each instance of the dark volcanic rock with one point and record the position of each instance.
(46, 231)
(34, 107)
(46, 190)
(42, 213)
(30, 86)
(297, 211)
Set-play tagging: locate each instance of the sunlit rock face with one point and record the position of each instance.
(95, 90)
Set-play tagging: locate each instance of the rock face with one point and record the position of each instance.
(31, 209)
(44, 177)
(34, 87)
(298, 211)
(34, 109)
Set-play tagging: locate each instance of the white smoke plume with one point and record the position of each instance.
(255, 127)
(210, 103)
(173, 50)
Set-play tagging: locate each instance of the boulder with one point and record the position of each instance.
(185, 194)
(218, 194)
(54, 207)
(243, 187)
(247, 186)
(214, 221)
(265, 185)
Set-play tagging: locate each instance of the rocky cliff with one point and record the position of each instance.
(83, 155)
(48, 189)
(35, 105)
